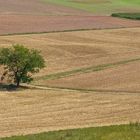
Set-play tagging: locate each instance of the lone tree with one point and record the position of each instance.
(19, 63)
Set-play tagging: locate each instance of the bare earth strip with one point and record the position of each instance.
(34, 111)
(35, 7)
(10, 24)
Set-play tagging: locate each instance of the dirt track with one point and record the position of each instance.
(10, 24)
(34, 111)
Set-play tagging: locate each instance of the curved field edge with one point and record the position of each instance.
(123, 132)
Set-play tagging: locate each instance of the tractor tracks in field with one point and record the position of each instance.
(85, 70)
(104, 91)
(82, 71)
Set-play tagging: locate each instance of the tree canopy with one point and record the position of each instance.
(19, 63)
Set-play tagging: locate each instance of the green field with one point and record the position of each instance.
(121, 132)
(101, 6)
(135, 16)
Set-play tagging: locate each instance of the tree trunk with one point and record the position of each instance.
(18, 83)
(17, 79)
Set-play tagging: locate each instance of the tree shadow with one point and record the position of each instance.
(7, 87)
(12, 87)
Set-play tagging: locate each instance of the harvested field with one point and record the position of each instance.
(92, 77)
(34, 111)
(116, 91)
(107, 61)
(74, 50)
(10, 24)
(120, 78)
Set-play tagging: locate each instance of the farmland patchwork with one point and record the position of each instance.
(92, 68)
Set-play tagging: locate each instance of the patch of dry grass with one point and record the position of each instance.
(33, 111)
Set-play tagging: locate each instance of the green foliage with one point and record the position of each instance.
(135, 16)
(20, 62)
(120, 132)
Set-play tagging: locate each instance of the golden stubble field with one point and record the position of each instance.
(82, 49)
(115, 94)
(34, 111)
(70, 50)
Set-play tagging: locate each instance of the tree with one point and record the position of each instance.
(20, 63)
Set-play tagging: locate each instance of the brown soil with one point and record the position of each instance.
(10, 24)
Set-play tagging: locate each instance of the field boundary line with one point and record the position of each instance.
(41, 87)
(84, 70)
(63, 31)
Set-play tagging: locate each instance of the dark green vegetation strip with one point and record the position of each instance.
(120, 132)
(84, 70)
(135, 16)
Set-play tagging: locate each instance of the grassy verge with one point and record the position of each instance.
(120, 132)
(134, 16)
(84, 70)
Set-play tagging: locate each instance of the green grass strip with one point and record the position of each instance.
(116, 132)
(84, 70)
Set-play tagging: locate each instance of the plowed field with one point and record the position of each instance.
(12, 24)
